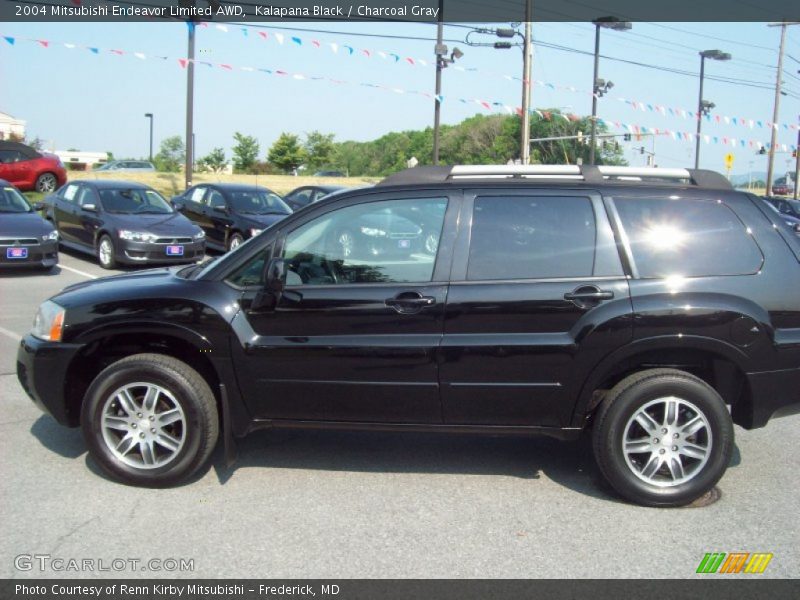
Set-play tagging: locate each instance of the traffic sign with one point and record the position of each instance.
(729, 161)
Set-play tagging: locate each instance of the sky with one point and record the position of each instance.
(75, 98)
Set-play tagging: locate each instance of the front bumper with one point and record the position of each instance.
(44, 254)
(145, 252)
(42, 371)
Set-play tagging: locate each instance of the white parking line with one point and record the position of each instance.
(14, 336)
(84, 273)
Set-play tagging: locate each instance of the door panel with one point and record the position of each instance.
(538, 295)
(65, 213)
(353, 337)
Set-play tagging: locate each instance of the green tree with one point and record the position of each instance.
(171, 155)
(286, 153)
(245, 152)
(319, 149)
(214, 161)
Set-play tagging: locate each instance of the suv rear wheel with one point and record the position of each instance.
(663, 437)
(150, 420)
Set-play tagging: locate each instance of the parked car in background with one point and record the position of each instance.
(231, 213)
(123, 222)
(650, 309)
(127, 165)
(786, 206)
(26, 239)
(308, 194)
(30, 170)
(793, 222)
(329, 174)
(783, 187)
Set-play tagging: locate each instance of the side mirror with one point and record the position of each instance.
(37, 206)
(274, 282)
(89, 208)
(177, 204)
(275, 276)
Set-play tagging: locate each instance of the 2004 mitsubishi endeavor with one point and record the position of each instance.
(654, 308)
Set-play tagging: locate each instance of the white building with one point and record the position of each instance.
(10, 126)
(82, 161)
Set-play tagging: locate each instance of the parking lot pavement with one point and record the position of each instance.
(334, 504)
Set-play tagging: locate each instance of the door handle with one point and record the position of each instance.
(598, 295)
(588, 294)
(410, 302)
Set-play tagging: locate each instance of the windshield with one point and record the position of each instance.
(795, 205)
(11, 201)
(139, 201)
(257, 202)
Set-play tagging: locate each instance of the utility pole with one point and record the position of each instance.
(525, 138)
(797, 163)
(437, 105)
(189, 107)
(776, 109)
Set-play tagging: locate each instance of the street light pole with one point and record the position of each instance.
(797, 163)
(440, 51)
(189, 107)
(150, 116)
(704, 106)
(525, 126)
(599, 86)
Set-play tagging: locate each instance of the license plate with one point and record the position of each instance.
(174, 250)
(16, 253)
(404, 244)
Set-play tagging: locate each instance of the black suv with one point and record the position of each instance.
(653, 307)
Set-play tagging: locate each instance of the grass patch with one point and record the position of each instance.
(171, 184)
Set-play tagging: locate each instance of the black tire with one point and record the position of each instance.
(611, 427)
(107, 261)
(199, 429)
(235, 240)
(46, 183)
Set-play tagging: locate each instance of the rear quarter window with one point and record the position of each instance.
(687, 237)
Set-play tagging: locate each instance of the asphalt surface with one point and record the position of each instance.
(351, 505)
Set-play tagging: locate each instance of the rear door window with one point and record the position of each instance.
(687, 237)
(532, 237)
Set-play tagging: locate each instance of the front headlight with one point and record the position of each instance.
(372, 232)
(199, 235)
(255, 232)
(49, 322)
(53, 235)
(137, 236)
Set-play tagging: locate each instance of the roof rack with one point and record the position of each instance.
(564, 173)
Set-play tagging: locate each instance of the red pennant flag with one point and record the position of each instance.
(263, 34)
(281, 73)
(44, 43)
(519, 111)
(366, 53)
(485, 105)
(410, 61)
(119, 52)
(316, 43)
(226, 67)
(183, 62)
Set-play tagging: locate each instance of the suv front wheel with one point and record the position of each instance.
(150, 420)
(663, 437)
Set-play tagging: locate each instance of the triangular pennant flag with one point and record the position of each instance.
(366, 53)
(410, 61)
(439, 98)
(44, 43)
(244, 31)
(315, 43)
(297, 40)
(94, 50)
(350, 49)
(226, 67)
(222, 28)
(10, 40)
(263, 34)
(139, 55)
(334, 46)
(183, 62)
(117, 52)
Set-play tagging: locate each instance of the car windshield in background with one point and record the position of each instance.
(137, 201)
(258, 203)
(795, 205)
(11, 201)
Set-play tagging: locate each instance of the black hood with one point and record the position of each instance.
(23, 225)
(167, 225)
